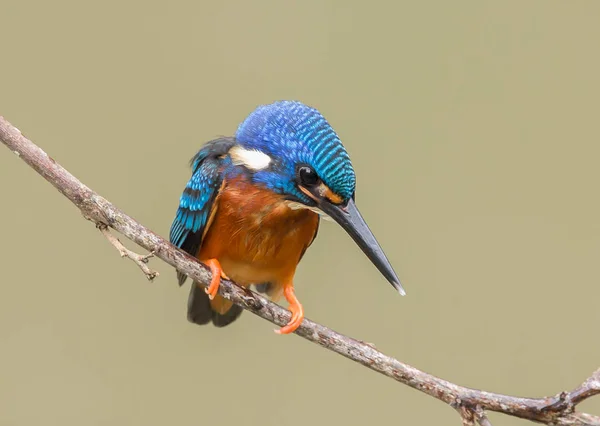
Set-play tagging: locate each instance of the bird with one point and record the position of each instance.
(253, 206)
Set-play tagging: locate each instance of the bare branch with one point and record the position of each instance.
(481, 417)
(470, 403)
(467, 415)
(139, 259)
(588, 388)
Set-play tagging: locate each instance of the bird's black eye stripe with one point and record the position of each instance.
(308, 177)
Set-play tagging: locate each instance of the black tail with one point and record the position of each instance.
(199, 310)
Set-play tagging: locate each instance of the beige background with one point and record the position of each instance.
(474, 131)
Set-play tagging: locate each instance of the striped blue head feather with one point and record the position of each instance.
(292, 150)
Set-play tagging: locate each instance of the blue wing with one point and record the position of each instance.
(198, 198)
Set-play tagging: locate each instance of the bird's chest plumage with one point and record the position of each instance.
(255, 235)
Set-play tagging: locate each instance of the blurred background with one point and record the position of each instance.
(473, 129)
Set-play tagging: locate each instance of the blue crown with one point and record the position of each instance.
(300, 133)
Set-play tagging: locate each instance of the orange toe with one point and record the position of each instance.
(217, 274)
(295, 308)
(294, 323)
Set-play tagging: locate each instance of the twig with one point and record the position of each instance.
(481, 417)
(139, 259)
(467, 415)
(473, 415)
(558, 410)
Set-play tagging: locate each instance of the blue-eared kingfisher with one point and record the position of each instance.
(253, 204)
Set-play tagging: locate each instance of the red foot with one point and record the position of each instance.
(217, 274)
(295, 308)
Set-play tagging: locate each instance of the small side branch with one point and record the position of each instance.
(587, 389)
(471, 404)
(481, 417)
(139, 259)
(473, 416)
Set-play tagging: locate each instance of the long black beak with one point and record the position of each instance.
(350, 219)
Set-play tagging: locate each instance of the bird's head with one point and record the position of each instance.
(291, 149)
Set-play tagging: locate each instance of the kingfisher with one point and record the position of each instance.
(253, 206)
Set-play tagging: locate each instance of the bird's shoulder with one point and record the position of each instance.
(215, 149)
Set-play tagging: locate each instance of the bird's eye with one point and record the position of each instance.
(308, 177)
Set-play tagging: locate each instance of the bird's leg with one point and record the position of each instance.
(295, 308)
(217, 274)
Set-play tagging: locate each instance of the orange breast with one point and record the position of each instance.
(256, 236)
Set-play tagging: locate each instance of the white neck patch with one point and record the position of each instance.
(297, 206)
(251, 158)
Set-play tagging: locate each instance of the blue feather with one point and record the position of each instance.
(196, 201)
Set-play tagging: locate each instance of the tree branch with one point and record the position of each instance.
(558, 410)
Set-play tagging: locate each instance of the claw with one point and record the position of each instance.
(295, 308)
(217, 274)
